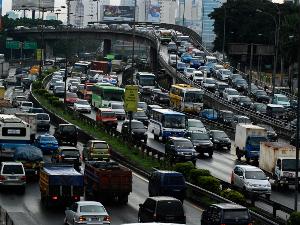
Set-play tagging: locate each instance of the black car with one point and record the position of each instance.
(67, 155)
(26, 82)
(220, 139)
(141, 116)
(178, 149)
(201, 142)
(160, 97)
(233, 76)
(36, 110)
(259, 107)
(167, 183)
(225, 117)
(220, 87)
(240, 85)
(271, 134)
(138, 130)
(244, 101)
(66, 134)
(226, 213)
(161, 209)
(261, 96)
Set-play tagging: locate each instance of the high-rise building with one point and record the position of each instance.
(168, 11)
(208, 35)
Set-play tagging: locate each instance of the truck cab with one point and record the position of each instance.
(96, 150)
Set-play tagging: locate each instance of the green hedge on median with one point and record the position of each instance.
(234, 196)
(294, 219)
(195, 173)
(184, 168)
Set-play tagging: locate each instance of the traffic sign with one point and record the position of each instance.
(39, 54)
(30, 45)
(131, 98)
(13, 44)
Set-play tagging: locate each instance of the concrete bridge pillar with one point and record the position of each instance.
(106, 47)
(154, 60)
(49, 50)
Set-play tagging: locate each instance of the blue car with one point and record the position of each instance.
(46, 142)
(181, 66)
(209, 114)
(196, 63)
(186, 58)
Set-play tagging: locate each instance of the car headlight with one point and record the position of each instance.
(268, 185)
(249, 184)
(180, 153)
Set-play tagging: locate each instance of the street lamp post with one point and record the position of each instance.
(133, 41)
(224, 34)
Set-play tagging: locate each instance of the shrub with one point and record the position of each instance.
(48, 95)
(42, 91)
(294, 219)
(52, 99)
(209, 183)
(234, 196)
(37, 84)
(195, 173)
(57, 103)
(184, 168)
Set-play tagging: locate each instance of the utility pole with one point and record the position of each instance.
(250, 72)
(133, 42)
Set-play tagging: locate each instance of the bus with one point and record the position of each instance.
(145, 81)
(165, 36)
(102, 95)
(186, 98)
(80, 68)
(167, 123)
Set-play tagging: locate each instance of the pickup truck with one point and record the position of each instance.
(96, 150)
(107, 180)
(60, 184)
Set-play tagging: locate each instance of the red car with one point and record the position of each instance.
(71, 98)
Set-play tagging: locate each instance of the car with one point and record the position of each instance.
(281, 99)
(209, 114)
(261, 96)
(186, 58)
(26, 106)
(201, 142)
(167, 183)
(223, 74)
(259, 107)
(219, 139)
(203, 69)
(209, 84)
(82, 106)
(188, 72)
(67, 155)
(12, 174)
(161, 209)
(36, 110)
(173, 60)
(214, 68)
(96, 150)
(240, 85)
(181, 50)
(138, 130)
(142, 105)
(66, 134)
(251, 180)
(150, 108)
(179, 149)
(53, 82)
(42, 121)
(225, 117)
(220, 87)
(71, 98)
(196, 63)
(181, 66)
(91, 211)
(229, 94)
(254, 88)
(233, 76)
(59, 91)
(271, 134)
(225, 213)
(160, 97)
(244, 101)
(17, 100)
(46, 142)
(118, 109)
(172, 47)
(197, 77)
(240, 119)
(195, 125)
(140, 115)
(276, 111)
(106, 118)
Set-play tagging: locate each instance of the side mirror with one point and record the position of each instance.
(268, 178)
(242, 177)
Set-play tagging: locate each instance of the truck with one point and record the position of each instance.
(145, 81)
(107, 180)
(116, 65)
(278, 160)
(60, 184)
(4, 68)
(247, 140)
(100, 65)
(31, 119)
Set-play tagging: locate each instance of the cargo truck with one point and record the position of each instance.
(247, 141)
(107, 180)
(60, 184)
(100, 65)
(278, 160)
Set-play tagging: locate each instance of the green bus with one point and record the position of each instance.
(103, 94)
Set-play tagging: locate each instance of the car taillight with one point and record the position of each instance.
(2, 178)
(54, 197)
(23, 178)
(106, 218)
(222, 224)
(154, 216)
(82, 218)
(76, 197)
(250, 223)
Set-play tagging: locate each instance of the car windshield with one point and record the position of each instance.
(80, 102)
(199, 136)
(233, 92)
(283, 99)
(174, 121)
(147, 80)
(108, 114)
(227, 115)
(241, 81)
(230, 215)
(260, 92)
(190, 70)
(72, 95)
(42, 117)
(69, 129)
(117, 106)
(173, 208)
(183, 144)
(289, 164)
(92, 209)
(220, 134)
(12, 169)
(277, 109)
(48, 139)
(174, 180)
(221, 87)
(139, 114)
(70, 152)
(142, 105)
(261, 107)
(210, 81)
(100, 145)
(255, 175)
(196, 123)
(193, 96)
(137, 125)
(28, 104)
(59, 88)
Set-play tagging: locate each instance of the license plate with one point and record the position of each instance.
(12, 178)
(94, 219)
(188, 157)
(170, 217)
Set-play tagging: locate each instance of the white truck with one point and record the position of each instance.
(29, 118)
(278, 160)
(247, 140)
(116, 65)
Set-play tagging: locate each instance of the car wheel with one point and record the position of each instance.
(139, 219)
(65, 221)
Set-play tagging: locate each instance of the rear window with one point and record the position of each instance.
(92, 209)
(235, 215)
(70, 152)
(69, 129)
(174, 180)
(100, 145)
(28, 104)
(42, 117)
(169, 208)
(12, 169)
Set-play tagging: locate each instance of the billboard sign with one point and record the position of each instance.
(42, 5)
(118, 13)
(154, 12)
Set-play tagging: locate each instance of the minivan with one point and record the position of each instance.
(42, 121)
(13, 174)
(167, 183)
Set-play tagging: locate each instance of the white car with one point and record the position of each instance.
(82, 106)
(223, 74)
(188, 72)
(251, 179)
(25, 106)
(118, 109)
(198, 76)
(172, 59)
(209, 83)
(229, 94)
(86, 212)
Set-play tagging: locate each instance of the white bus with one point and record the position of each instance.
(145, 81)
(167, 123)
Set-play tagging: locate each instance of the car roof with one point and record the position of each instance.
(163, 198)
(46, 135)
(194, 120)
(167, 172)
(89, 203)
(275, 106)
(280, 95)
(217, 131)
(249, 167)
(12, 163)
(67, 147)
(229, 206)
(179, 139)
